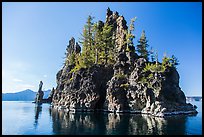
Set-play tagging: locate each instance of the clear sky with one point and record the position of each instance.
(35, 36)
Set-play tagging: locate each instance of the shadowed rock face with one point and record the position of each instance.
(83, 90)
(118, 88)
(72, 47)
(119, 28)
(39, 94)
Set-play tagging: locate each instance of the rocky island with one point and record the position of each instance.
(109, 73)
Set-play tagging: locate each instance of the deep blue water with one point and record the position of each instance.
(25, 118)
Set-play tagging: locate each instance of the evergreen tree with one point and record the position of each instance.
(170, 62)
(166, 62)
(69, 56)
(107, 43)
(152, 54)
(72, 58)
(98, 27)
(87, 42)
(142, 46)
(156, 57)
(129, 35)
(174, 61)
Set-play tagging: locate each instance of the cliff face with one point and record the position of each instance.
(83, 90)
(119, 88)
(161, 96)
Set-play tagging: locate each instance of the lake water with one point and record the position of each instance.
(25, 118)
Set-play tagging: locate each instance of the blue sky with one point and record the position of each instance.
(35, 36)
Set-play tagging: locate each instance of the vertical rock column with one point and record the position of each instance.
(116, 98)
(40, 94)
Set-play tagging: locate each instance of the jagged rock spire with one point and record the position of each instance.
(109, 12)
(72, 47)
(40, 94)
(119, 28)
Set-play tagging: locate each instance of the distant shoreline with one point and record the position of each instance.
(193, 98)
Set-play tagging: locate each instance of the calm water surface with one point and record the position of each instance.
(26, 118)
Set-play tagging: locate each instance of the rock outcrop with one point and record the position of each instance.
(73, 47)
(119, 28)
(122, 87)
(84, 90)
(39, 95)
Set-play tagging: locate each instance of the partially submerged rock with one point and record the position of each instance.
(39, 95)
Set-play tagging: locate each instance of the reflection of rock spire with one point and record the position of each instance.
(38, 110)
(113, 120)
(73, 123)
(155, 124)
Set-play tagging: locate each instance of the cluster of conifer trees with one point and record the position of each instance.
(98, 46)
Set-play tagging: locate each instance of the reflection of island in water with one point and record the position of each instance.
(121, 124)
(38, 110)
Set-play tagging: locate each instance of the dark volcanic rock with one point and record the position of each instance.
(83, 90)
(116, 100)
(40, 94)
(72, 47)
(119, 28)
(122, 87)
(49, 99)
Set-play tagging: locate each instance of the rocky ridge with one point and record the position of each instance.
(119, 88)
